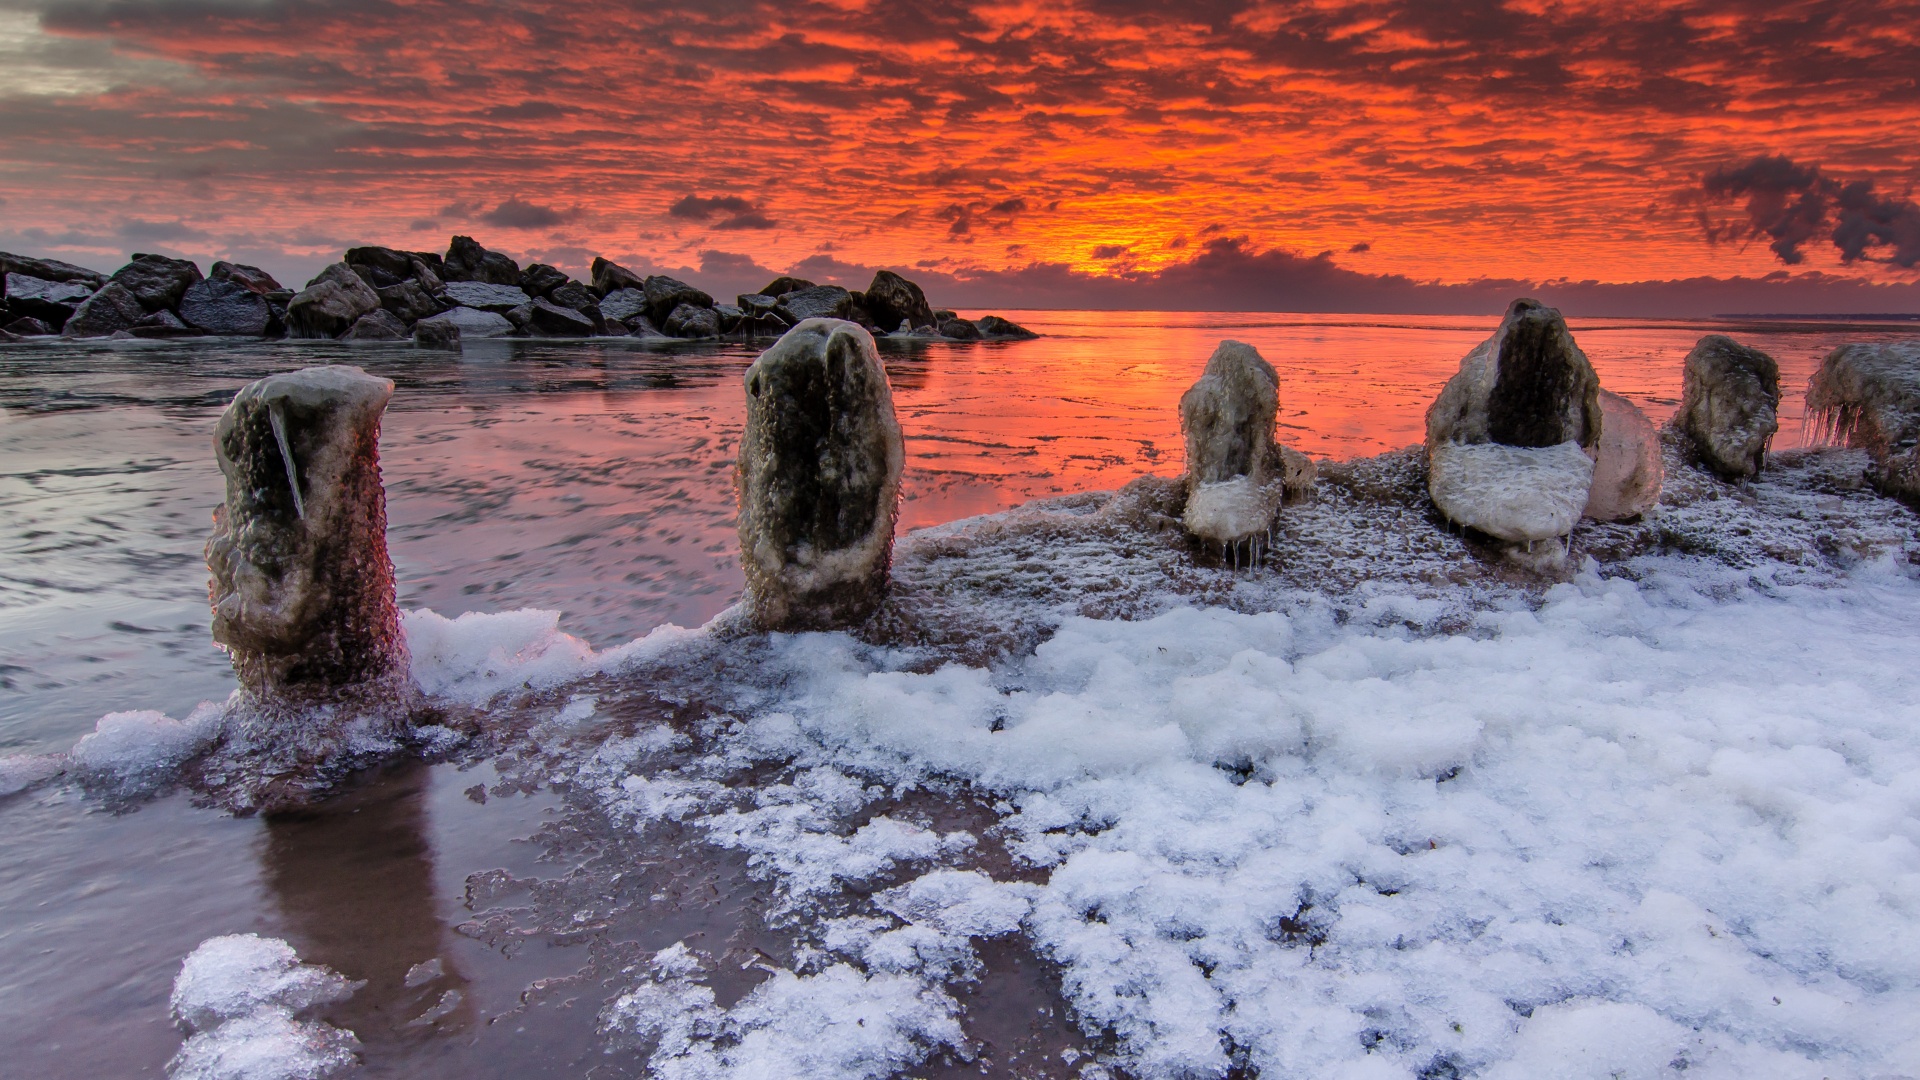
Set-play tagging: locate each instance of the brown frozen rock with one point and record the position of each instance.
(1729, 405)
(818, 480)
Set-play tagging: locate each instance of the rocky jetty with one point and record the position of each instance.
(386, 294)
(1868, 396)
(819, 479)
(1729, 405)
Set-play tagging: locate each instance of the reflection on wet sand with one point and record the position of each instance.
(353, 880)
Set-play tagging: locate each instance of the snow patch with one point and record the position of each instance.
(239, 995)
(477, 656)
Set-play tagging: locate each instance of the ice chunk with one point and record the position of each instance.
(476, 656)
(143, 748)
(18, 772)
(1513, 493)
(239, 995)
(1231, 509)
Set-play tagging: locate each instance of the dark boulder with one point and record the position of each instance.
(1729, 405)
(621, 305)
(436, 334)
(664, 294)
(163, 324)
(377, 278)
(52, 302)
(394, 266)
(994, 326)
(410, 302)
(225, 307)
(757, 303)
(959, 329)
(814, 302)
(29, 327)
(689, 320)
(1544, 389)
(157, 281)
(611, 276)
(377, 325)
(783, 285)
(642, 327)
(330, 304)
(466, 260)
(730, 317)
(521, 318)
(539, 279)
(483, 296)
(548, 319)
(106, 312)
(50, 270)
(427, 273)
(9, 337)
(251, 278)
(575, 296)
(892, 300)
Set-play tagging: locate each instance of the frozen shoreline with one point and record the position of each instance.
(1384, 808)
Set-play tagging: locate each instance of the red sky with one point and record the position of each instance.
(1094, 153)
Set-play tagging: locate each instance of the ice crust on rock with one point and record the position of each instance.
(1868, 396)
(1513, 493)
(471, 323)
(240, 997)
(476, 657)
(1233, 465)
(1729, 404)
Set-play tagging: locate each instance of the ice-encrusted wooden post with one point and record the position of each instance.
(819, 479)
(1226, 420)
(302, 588)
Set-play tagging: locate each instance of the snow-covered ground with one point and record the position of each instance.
(1385, 809)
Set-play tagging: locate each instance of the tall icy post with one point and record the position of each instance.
(1729, 405)
(302, 590)
(819, 479)
(1233, 465)
(1512, 437)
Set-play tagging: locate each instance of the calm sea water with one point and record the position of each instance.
(589, 478)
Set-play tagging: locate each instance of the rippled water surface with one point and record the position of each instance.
(591, 478)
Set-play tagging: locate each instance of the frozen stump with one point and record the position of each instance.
(1868, 397)
(819, 479)
(1729, 405)
(1236, 473)
(302, 590)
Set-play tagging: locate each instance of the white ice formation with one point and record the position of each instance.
(240, 997)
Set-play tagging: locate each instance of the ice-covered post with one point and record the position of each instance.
(1226, 418)
(302, 589)
(1729, 405)
(819, 479)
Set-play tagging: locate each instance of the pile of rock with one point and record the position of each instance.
(151, 297)
(385, 294)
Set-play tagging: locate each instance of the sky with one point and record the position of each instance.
(1652, 159)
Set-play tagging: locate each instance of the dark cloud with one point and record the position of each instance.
(1794, 204)
(735, 212)
(696, 208)
(517, 213)
(1110, 251)
(1360, 248)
